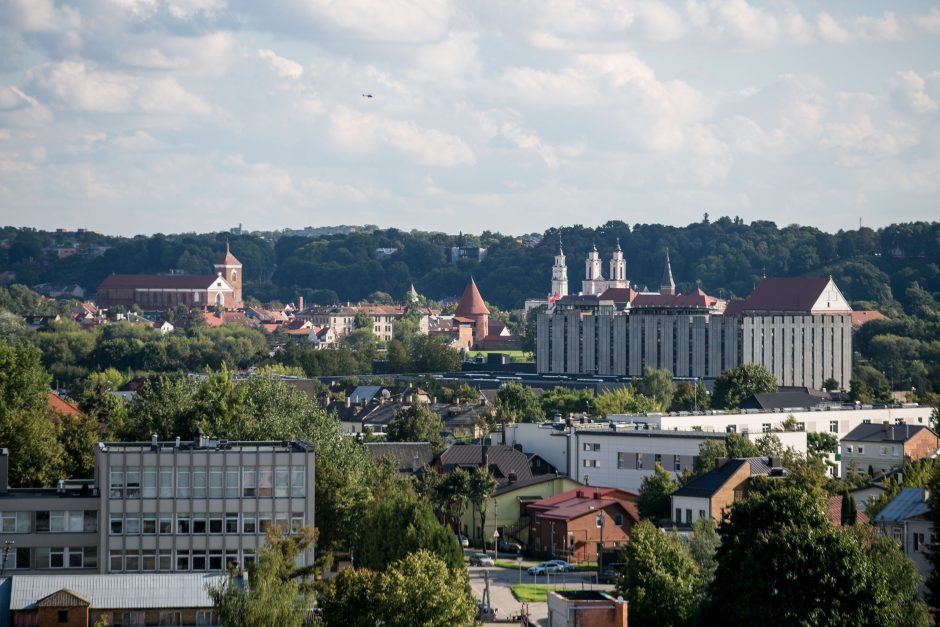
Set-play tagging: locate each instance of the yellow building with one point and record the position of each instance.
(506, 509)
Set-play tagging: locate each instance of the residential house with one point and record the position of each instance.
(907, 519)
(881, 447)
(410, 457)
(84, 600)
(579, 524)
(711, 495)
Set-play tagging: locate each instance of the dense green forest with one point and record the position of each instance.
(725, 257)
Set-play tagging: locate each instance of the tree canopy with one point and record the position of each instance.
(735, 385)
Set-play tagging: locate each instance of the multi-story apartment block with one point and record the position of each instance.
(162, 507)
(384, 318)
(885, 445)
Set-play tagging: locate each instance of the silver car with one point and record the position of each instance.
(481, 559)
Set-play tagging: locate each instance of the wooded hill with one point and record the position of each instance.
(725, 257)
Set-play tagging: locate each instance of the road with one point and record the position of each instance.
(502, 599)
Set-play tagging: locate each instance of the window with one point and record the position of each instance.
(117, 524)
(149, 490)
(182, 525)
(677, 462)
(15, 522)
(199, 484)
(621, 461)
(116, 561)
(148, 526)
(117, 482)
(42, 521)
(199, 525)
(132, 561)
(296, 522)
(264, 524)
(861, 449)
(132, 482)
(592, 446)
(182, 560)
(131, 525)
(134, 619)
(215, 523)
(170, 617)
(199, 560)
(701, 513)
(688, 517)
(848, 448)
(894, 451)
(833, 426)
(639, 460)
(90, 554)
(215, 483)
(57, 557)
(765, 427)
(591, 463)
(248, 525)
(280, 519)
(215, 560)
(281, 478)
(248, 558)
(618, 520)
(62, 616)
(164, 559)
(231, 523)
(90, 521)
(22, 557)
(248, 483)
(919, 542)
(206, 618)
(658, 458)
(265, 482)
(166, 484)
(149, 560)
(884, 450)
(678, 515)
(231, 483)
(801, 426)
(166, 525)
(731, 429)
(182, 484)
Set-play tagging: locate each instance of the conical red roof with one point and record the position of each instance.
(471, 303)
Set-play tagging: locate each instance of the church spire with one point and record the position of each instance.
(667, 285)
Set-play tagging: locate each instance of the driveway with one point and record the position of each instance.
(502, 599)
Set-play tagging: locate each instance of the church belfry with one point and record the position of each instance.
(559, 275)
(667, 285)
(594, 282)
(618, 269)
(230, 269)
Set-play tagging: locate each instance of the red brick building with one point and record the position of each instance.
(570, 525)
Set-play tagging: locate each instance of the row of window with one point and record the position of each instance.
(52, 557)
(165, 560)
(688, 515)
(85, 521)
(883, 450)
(138, 618)
(199, 483)
(198, 524)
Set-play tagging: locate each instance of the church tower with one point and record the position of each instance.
(230, 268)
(593, 279)
(559, 275)
(667, 286)
(618, 269)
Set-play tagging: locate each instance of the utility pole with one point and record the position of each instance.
(600, 552)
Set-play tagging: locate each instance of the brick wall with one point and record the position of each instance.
(924, 444)
(724, 497)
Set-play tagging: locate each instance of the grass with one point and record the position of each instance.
(515, 565)
(533, 593)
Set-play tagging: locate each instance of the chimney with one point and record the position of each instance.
(721, 461)
(512, 476)
(153, 441)
(60, 488)
(773, 462)
(348, 402)
(4, 470)
(199, 437)
(176, 443)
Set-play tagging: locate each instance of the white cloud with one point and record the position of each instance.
(738, 22)
(282, 66)
(909, 90)
(364, 133)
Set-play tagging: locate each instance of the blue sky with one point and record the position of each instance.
(137, 116)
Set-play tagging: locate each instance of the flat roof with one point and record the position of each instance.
(211, 444)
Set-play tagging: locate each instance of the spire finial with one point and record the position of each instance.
(618, 242)
(594, 246)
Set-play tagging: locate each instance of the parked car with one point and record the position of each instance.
(563, 566)
(462, 540)
(481, 559)
(609, 573)
(509, 547)
(543, 568)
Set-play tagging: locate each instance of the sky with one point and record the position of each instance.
(142, 116)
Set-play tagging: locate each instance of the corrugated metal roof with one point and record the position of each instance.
(909, 503)
(112, 592)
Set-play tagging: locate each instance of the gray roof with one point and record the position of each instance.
(883, 433)
(113, 592)
(782, 400)
(364, 393)
(712, 481)
(505, 459)
(410, 455)
(909, 503)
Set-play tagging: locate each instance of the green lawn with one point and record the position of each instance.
(515, 565)
(538, 593)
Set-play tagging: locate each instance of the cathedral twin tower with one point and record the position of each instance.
(594, 281)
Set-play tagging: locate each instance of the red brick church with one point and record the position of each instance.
(158, 292)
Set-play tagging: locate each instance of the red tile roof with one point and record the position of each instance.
(228, 259)
(471, 303)
(620, 295)
(158, 281)
(584, 500)
(61, 406)
(861, 317)
(835, 512)
(786, 294)
(697, 299)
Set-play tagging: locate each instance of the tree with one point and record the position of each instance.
(78, 435)
(657, 384)
(276, 593)
(689, 397)
(820, 443)
(415, 528)
(653, 501)
(849, 513)
(416, 424)
(453, 495)
(624, 400)
(933, 549)
(831, 385)
(660, 580)
(703, 544)
(568, 401)
(430, 354)
(418, 590)
(397, 356)
(516, 403)
(734, 446)
(897, 581)
(736, 384)
(482, 487)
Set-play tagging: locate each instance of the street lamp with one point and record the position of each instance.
(600, 552)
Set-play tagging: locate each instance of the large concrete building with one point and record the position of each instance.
(800, 329)
(161, 507)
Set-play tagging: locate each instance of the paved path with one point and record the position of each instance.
(502, 599)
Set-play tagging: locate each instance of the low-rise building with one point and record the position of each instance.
(881, 447)
(579, 524)
(907, 519)
(585, 608)
(712, 494)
